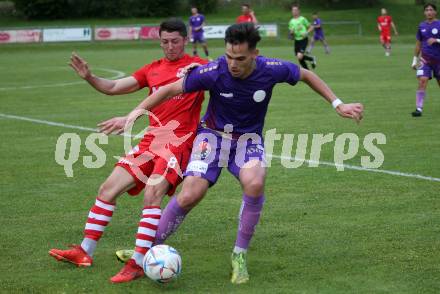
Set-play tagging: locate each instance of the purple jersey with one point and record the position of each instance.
(242, 103)
(318, 31)
(431, 53)
(196, 21)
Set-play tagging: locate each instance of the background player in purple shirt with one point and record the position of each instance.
(196, 23)
(318, 34)
(240, 86)
(426, 54)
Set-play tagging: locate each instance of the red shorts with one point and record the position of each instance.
(385, 38)
(141, 164)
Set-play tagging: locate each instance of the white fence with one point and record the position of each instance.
(147, 32)
(104, 33)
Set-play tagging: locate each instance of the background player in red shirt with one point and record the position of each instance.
(247, 15)
(157, 161)
(384, 24)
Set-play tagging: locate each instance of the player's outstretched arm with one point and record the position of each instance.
(117, 125)
(110, 87)
(394, 28)
(352, 110)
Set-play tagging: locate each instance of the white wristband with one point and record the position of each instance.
(336, 103)
(438, 40)
(415, 61)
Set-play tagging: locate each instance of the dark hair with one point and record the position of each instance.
(430, 4)
(295, 5)
(243, 33)
(315, 13)
(173, 25)
(246, 5)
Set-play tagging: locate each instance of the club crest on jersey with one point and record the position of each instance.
(180, 72)
(434, 31)
(259, 95)
(203, 150)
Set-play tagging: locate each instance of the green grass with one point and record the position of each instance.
(321, 231)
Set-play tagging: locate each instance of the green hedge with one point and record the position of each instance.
(59, 9)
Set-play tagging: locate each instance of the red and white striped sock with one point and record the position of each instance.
(99, 217)
(146, 232)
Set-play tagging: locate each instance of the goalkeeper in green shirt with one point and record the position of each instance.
(299, 29)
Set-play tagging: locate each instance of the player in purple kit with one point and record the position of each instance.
(196, 23)
(426, 54)
(230, 134)
(318, 34)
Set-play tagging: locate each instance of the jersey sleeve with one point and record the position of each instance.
(306, 23)
(141, 76)
(419, 34)
(200, 78)
(291, 26)
(285, 72)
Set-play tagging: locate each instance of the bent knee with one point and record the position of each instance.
(107, 192)
(189, 199)
(423, 82)
(253, 186)
(154, 194)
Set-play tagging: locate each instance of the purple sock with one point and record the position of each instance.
(420, 97)
(249, 216)
(172, 216)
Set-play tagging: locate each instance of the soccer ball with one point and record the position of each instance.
(162, 263)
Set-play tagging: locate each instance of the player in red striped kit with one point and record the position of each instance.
(156, 164)
(384, 24)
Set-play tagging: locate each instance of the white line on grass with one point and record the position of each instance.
(360, 168)
(49, 123)
(118, 74)
(328, 163)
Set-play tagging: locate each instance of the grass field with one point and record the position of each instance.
(322, 231)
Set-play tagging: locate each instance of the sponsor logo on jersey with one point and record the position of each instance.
(227, 95)
(206, 69)
(255, 149)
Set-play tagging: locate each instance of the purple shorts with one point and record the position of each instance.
(427, 69)
(197, 37)
(318, 36)
(212, 152)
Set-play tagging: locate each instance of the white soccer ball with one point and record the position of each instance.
(162, 263)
